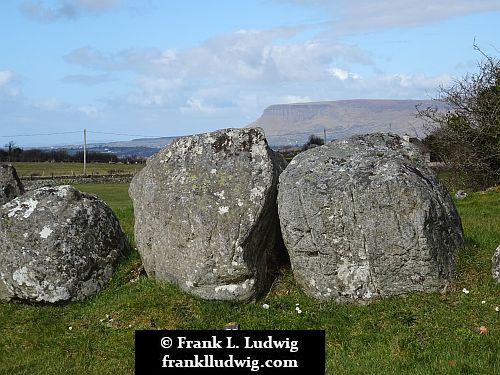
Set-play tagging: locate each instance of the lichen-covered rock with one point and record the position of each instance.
(495, 263)
(57, 244)
(10, 185)
(206, 215)
(365, 217)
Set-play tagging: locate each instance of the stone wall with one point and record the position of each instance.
(37, 181)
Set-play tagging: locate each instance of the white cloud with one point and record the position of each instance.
(217, 73)
(418, 81)
(88, 57)
(98, 4)
(167, 57)
(67, 8)
(244, 56)
(6, 76)
(342, 74)
(50, 104)
(310, 60)
(196, 105)
(10, 86)
(366, 15)
(89, 110)
(85, 79)
(147, 100)
(156, 91)
(392, 86)
(247, 70)
(339, 73)
(159, 84)
(289, 99)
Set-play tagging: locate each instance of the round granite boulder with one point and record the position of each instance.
(365, 217)
(206, 217)
(57, 244)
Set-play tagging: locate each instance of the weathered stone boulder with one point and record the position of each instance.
(10, 185)
(495, 262)
(365, 217)
(57, 244)
(206, 215)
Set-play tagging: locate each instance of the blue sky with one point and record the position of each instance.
(167, 68)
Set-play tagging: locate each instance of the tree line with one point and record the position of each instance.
(13, 153)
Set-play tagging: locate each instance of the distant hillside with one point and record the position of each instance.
(142, 147)
(138, 143)
(290, 124)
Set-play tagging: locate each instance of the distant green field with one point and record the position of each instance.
(115, 194)
(47, 169)
(414, 334)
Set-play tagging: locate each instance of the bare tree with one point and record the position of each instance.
(313, 141)
(13, 151)
(467, 136)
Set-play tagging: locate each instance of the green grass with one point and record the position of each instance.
(115, 194)
(47, 169)
(414, 334)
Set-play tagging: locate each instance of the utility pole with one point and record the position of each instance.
(84, 152)
(324, 134)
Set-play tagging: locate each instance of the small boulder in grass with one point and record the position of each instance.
(57, 244)
(495, 269)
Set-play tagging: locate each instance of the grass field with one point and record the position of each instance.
(414, 334)
(116, 194)
(48, 169)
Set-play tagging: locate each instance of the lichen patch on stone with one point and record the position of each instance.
(62, 191)
(46, 232)
(223, 210)
(256, 193)
(28, 205)
(22, 276)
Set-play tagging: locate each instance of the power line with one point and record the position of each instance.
(88, 131)
(33, 135)
(129, 135)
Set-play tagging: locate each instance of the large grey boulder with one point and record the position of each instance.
(10, 185)
(57, 244)
(206, 215)
(495, 262)
(365, 217)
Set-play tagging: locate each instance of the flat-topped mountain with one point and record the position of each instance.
(290, 124)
